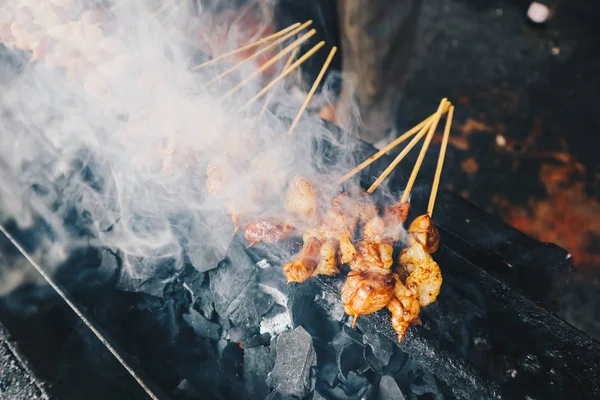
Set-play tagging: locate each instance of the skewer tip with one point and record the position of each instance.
(354, 322)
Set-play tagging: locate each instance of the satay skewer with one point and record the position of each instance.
(428, 128)
(247, 47)
(293, 46)
(438, 171)
(387, 148)
(272, 92)
(261, 51)
(285, 73)
(415, 171)
(313, 89)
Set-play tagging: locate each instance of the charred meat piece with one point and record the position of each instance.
(305, 263)
(366, 292)
(405, 309)
(423, 231)
(425, 277)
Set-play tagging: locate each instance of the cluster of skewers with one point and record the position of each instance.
(332, 238)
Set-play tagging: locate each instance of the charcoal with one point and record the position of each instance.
(192, 281)
(277, 320)
(318, 396)
(109, 264)
(378, 346)
(424, 384)
(349, 357)
(355, 384)
(295, 356)
(235, 290)
(328, 373)
(257, 340)
(389, 389)
(271, 280)
(258, 361)
(331, 305)
(231, 371)
(201, 326)
(304, 313)
(194, 231)
(238, 334)
(149, 275)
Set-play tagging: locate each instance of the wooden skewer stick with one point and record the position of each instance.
(285, 73)
(272, 61)
(313, 89)
(400, 157)
(247, 47)
(272, 92)
(387, 148)
(440, 164)
(172, 13)
(415, 171)
(261, 51)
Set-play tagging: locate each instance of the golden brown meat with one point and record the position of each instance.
(305, 263)
(423, 231)
(404, 307)
(268, 230)
(347, 250)
(301, 198)
(425, 277)
(372, 255)
(366, 292)
(394, 217)
(327, 260)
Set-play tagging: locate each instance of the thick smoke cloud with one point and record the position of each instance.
(107, 128)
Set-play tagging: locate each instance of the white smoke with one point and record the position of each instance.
(107, 121)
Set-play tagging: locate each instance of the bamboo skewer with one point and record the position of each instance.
(272, 61)
(415, 171)
(247, 47)
(387, 148)
(313, 89)
(272, 92)
(440, 164)
(285, 73)
(261, 51)
(400, 157)
(426, 127)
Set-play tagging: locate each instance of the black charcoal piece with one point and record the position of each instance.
(328, 373)
(355, 384)
(257, 340)
(258, 361)
(331, 305)
(304, 312)
(206, 239)
(295, 356)
(389, 389)
(318, 396)
(380, 346)
(109, 264)
(201, 326)
(271, 280)
(149, 275)
(235, 290)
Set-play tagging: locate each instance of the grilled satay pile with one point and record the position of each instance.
(332, 238)
(352, 230)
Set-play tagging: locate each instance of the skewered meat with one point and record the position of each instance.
(327, 260)
(404, 307)
(423, 231)
(268, 230)
(305, 263)
(366, 292)
(301, 198)
(425, 277)
(372, 255)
